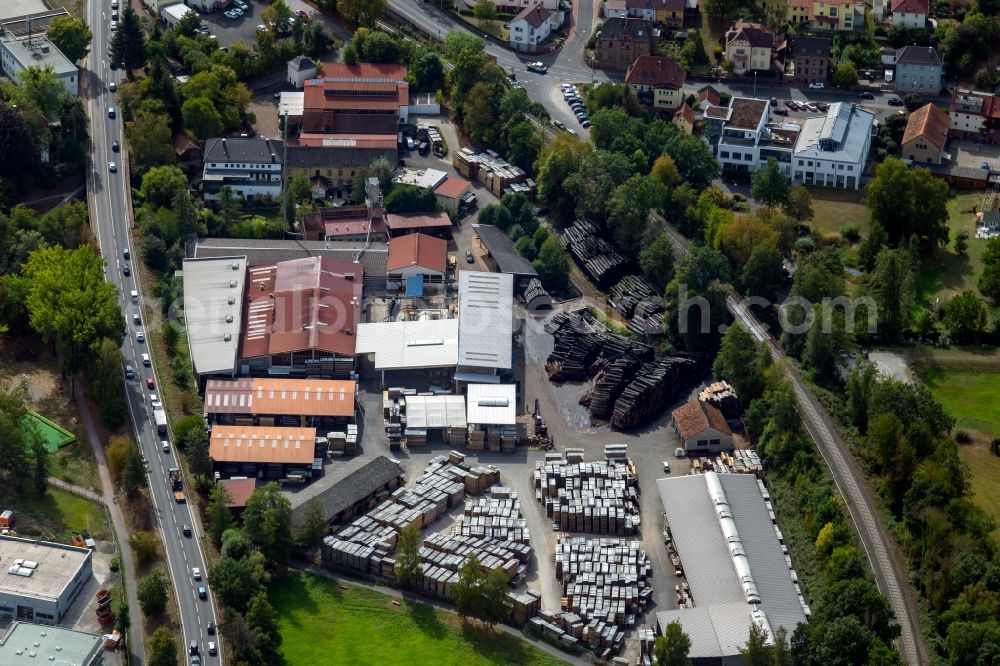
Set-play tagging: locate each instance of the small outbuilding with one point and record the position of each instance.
(416, 255)
(300, 70)
(172, 14)
(701, 428)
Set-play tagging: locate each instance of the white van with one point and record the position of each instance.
(409, 143)
(135, 296)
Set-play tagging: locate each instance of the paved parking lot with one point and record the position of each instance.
(972, 155)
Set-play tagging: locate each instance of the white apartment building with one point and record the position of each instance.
(251, 167)
(18, 53)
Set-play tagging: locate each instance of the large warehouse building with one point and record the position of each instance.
(40, 579)
(28, 643)
(734, 562)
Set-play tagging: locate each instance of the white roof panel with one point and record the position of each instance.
(491, 404)
(209, 285)
(399, 345)
(485, 308)
(435, 411)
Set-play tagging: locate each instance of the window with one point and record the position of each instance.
(801, 163)
(713, 442)
(748, 157)
(724, 154)
(702, 442)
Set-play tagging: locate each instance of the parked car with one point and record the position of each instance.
(302, 14)
(573, 132)
(585, 123)
(242, 5)
(558, 124)
(895, 101)
(263, 28)
(537, 67)
(231, 13)
(817, 85)
(780, 112)
(469, 259)
(864, 94)
(792, 104)
(666, 467)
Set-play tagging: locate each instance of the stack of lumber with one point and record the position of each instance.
(608, 385)
(583, 346)
(524, 605)
(656, 385)
(647, 318)
(603, 579)
(496, 517)
(600, 497)
(600, 261)
(628, 292)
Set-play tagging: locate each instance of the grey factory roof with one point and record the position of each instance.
(485, 310)
(38, 52)
(256, 150)
(842, 135)
(491, 404)
(39, 20)
(353, 481)
(719, 623)
(56, 565)
(502, 249)
(260, 252)
(29, 643)
(213, 311)
(400, 345)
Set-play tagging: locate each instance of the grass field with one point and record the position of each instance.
(984, 477)
(948, 273)
(835, 209)
(324, 624)
(54, 435)
(55, 517)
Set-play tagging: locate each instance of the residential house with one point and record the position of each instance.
(657, 82)
(918, 70)
(811, 61)
(531, 27)
(251, 167)
(926, 135)
(831, 150)
(415, 255)
(300, 70)
(621, 41)
(910, 14)
(19, 52)
(975, 116)
(799, 12)
(669, 13)
(515, 6)
(747, 139)
(838, 15)
(189, 153)
(701, 428)
(684, 119)
(749, 46)
(708, 96)
(615, 9)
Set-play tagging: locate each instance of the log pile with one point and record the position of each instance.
(600, 261)
(609, 384)
(583, 346)
(534, 295)
(647, 318)
(654, 387)
(628, 292)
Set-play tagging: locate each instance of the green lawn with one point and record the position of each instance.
(835, 209)
(324, 624)
(54, 435)
(984, 477)
(55, 517)
(971, 396)
(947, 273)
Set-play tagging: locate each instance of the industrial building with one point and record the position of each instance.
(40, 579)
(735, 563)
(701, 428)
(288, 455)
(491, 416)
(18, 53)
(257, 251)
(213, 312)
(28, 643)
(357, 486)
(413, 344)
(416, 257)
(485, 336)
(324, 404)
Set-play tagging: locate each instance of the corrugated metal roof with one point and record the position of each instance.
(503, 250)
(485, 306)
(265, 251)
(400, 345)
(709, 567)
(267, 396)
(491, 404)
(435, 411)
(213, 311)
(262, 444)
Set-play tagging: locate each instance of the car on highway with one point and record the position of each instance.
(165, 446)
(195, 661)
(202, 592)
(537, 67)
(129, 372)
(817, 85)
(112, 167)
(210, 628)
(126, 254)
(211, 648)
(135, 318)
(895, 101)
(126, 271)
(145, 357)
(196, 573)
(112, 86)
(864, 94)
(115, 146)
(186, 531)
(193, 649)
(114, 4)
(150, 384)
(140, 336)
(111, 112)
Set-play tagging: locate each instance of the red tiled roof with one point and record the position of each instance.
(183, 143)
(910, 6)
(262, 444)
(685, 112)
(755, 33)
(417, 250)
(417, 220)
(710, 94)
(535, 15)
(363, 86)
(309, 304)
(928, 122)
(240, 491)
(696, 416)
(353, 226)
(451, 187)
(655, 71)
(266, 396)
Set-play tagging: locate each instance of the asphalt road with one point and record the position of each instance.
(111, 215)
(890, 575)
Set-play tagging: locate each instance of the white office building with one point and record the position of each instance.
(17, 53)
(251, 167)
(40, 580)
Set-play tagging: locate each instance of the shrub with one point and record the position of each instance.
(851, 232)
(805, 244)
(962, 437)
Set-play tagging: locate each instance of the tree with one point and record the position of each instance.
(145, 547)
(665, 170)
(408, 569)
(162, 648)
(740, 364)
(769, 185)
(628, 210)
(217, 512)
(263, 621)
(42, 86)
(892, 286)
(161, 184)
(362, 12)
(149, 141)
(71, 36)
(657, 261)
(275, 13)
(314, 526)
(763, 272)
(671, 649)
(738, 239)
(912, 102)
(267, 520)
(858, 598)
(553, 265)
(909, 201)
(845, 75)
(384, 171)
(467, 55)
(799, 204)
(128, 45)
(965, 317)
(756, 652)
(236, 544)
(961, 243)
(16, 139)
(106, 383)
(466, 590)
(134, 474)
(380, 47)
(187, 215)
(479, 112)
(426, 72)
(152, 594)
(201, 117)
(871, 245)
(350, 55)
(410, 199)
(236, 582)
(70, 304)
(485, 10)
(989, 279)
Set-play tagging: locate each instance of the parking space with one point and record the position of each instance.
(229, 30)
(974, 155)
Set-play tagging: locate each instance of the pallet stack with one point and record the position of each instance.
(600, 497)
(496, 517)
(606, 580)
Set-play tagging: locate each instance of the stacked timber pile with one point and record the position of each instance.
(442, 556)
(524, 605)
(628, 292)
(583, 346)
(654, 387)
(647, 318)
(600, 497)
(496, 516)
(600, 261)
(609, 384)
(740, 461)
(723, 396)
(534, 295)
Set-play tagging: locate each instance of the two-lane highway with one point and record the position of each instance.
(111, 216)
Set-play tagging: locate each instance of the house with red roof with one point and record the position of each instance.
(657, 82)
(701, 428)
(910, 14)
(415, 254)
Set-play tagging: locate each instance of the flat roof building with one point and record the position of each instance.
(733, 561)
(435, 411)
(260, 251)
(410, 345)
(213, 312)
(40, 579)
(491, 405)
(19, 53)
(486, 310)
(28, 643)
